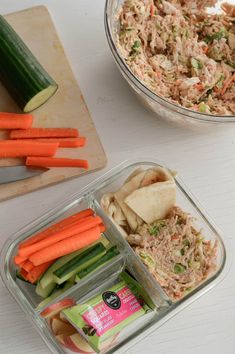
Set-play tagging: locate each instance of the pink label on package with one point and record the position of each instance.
(114, 308)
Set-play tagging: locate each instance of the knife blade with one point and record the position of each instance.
(17, 173)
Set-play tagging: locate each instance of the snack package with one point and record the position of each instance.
(108, 313)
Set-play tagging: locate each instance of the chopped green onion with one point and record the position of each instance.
(196, 64)
(147, 260)
(218, 35)
(156, 228)
(179, 268)
(136, 45)
(179, 221)
(202, 107)
(219, 83)
(188, 289)
(186, 242)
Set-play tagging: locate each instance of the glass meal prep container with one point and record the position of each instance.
(160, 106)
(162, 307)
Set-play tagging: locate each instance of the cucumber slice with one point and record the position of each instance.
(55, 293)
(79, 262)
(21, 73)
(45, 292)
(48, 278)
(111, 253)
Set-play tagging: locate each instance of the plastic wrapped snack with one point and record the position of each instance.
(109, 312)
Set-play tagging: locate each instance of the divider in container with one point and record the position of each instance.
(142, 313)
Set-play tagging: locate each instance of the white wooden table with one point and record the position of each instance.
(205, 161)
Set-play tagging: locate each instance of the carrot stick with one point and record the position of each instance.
(15, 120)
(56, 162)
(10, 148)
(36, 272)
(19, 260)
(63, 142)
(27, 266)
(66, 246)
(44, 133)
(227, 83)
(23, 273)
(46, 239)
(74, 229)
(57, 227)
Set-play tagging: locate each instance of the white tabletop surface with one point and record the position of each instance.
(205, 161)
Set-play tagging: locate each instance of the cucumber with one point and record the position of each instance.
(111, 253)
(55, 293)
(45, 292)
(79, 262)
(20, 72)
(47, 277)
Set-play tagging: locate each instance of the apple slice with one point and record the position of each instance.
(76, 343)
(59, 326)
(54, 309)
(61, 338)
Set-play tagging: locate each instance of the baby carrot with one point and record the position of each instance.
(27, 266)
(19, 260)
(44, 133)
(11, 148)
(23, 273)
(63, 142)
(57, 227)
(15, 120)
(36, 272)
(74, 229)
(66, 246)
(56, 162)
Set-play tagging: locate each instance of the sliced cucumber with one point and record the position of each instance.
(79, 262)
(47, 277)
(21, 73)
(45, 292)
(111, 253)
(55, 293)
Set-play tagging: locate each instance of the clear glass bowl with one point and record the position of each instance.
(160, 106)
(90, 197)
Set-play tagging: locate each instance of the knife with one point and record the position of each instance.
(17, 173)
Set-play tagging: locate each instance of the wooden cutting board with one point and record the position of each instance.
(65, 109)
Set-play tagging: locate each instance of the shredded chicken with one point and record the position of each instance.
(175, 253)
(181, 52)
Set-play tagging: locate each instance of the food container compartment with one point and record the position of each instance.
(90, 197)
(186, 201)
(94, 287)
(160, 106)
(26, 291)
